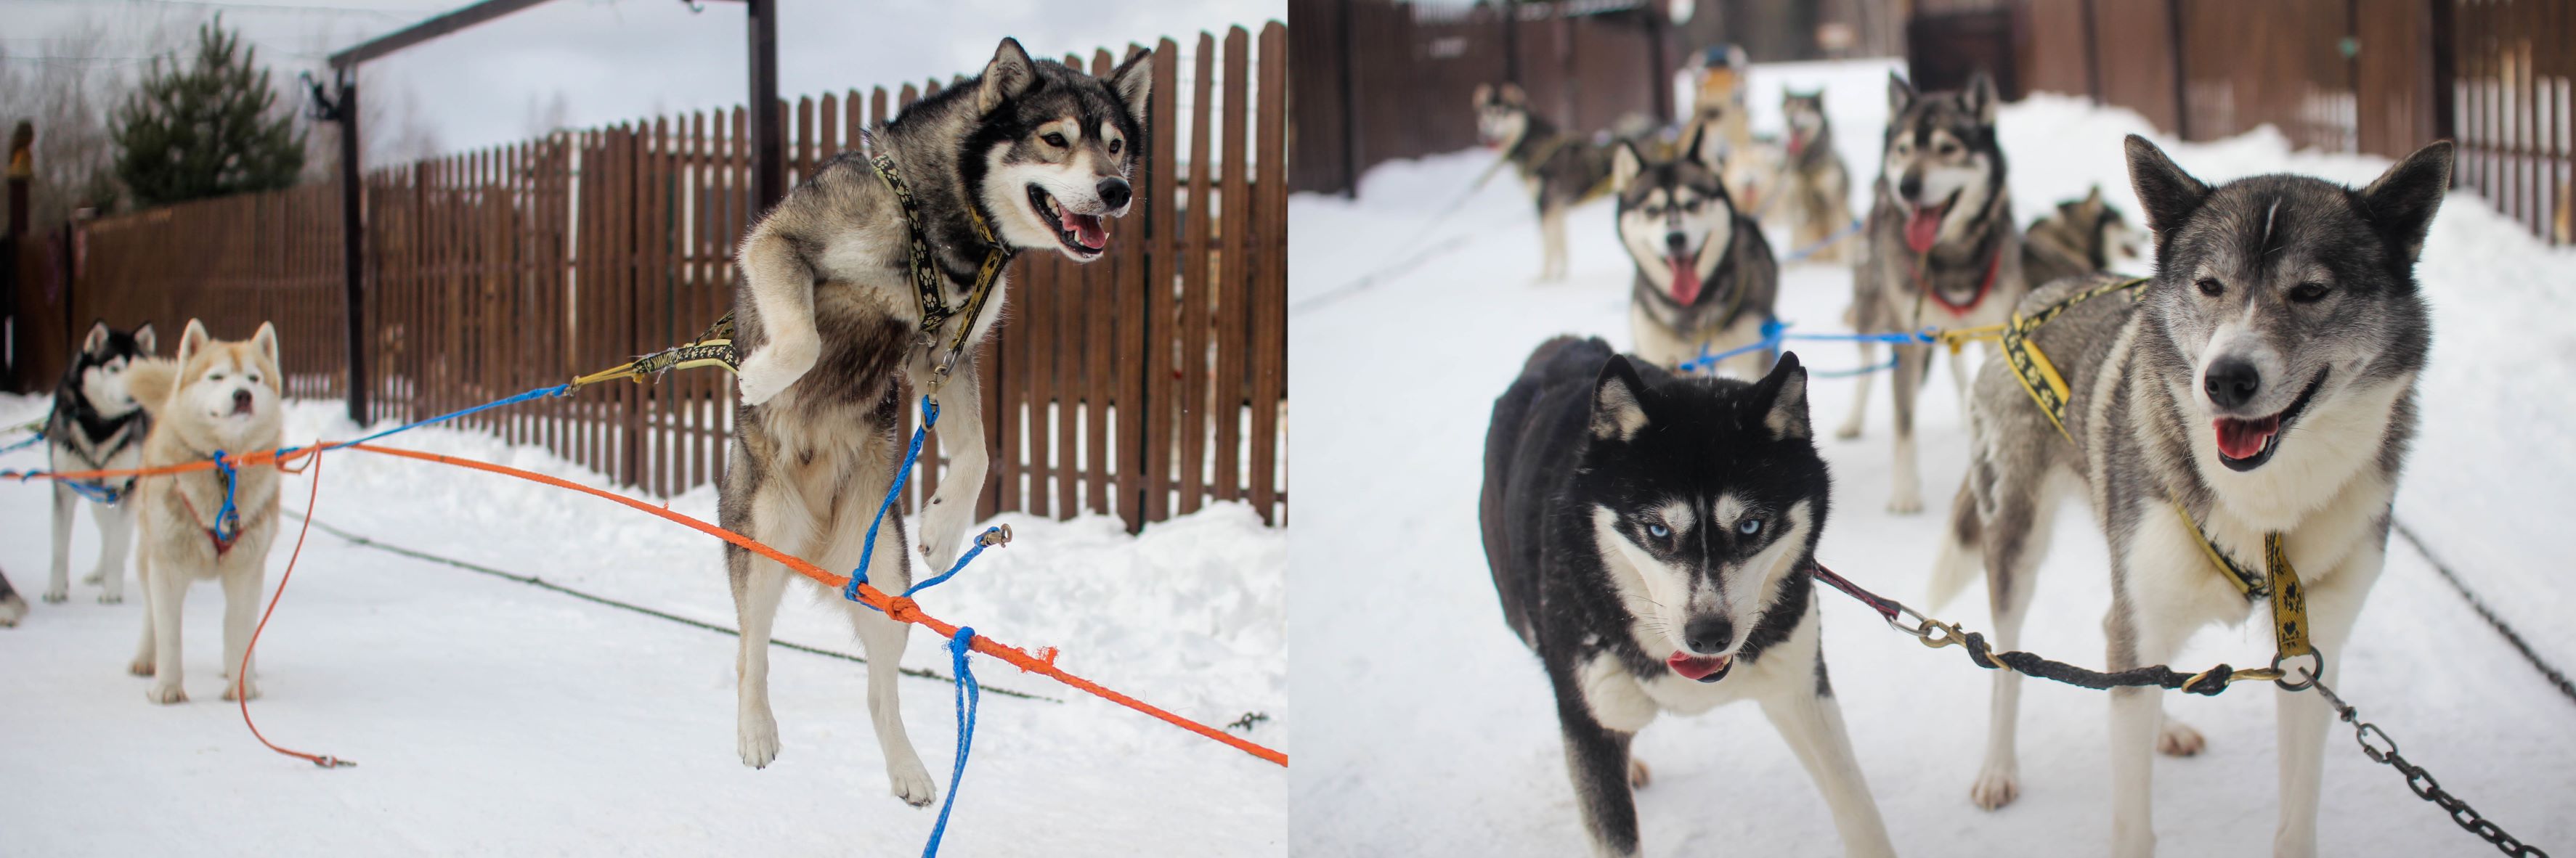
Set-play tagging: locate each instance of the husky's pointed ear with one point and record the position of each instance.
(1009, 74)
(1625, 166)
(1134, 80)
(1786, 391)
(2093, 196)
(97, 339)
(145, 341)
(1512, 95)
(2402, 201)
(1900, 95)
(1980, 97)
(1618, 403)
(1484, 94)
(192, 340)
(266, 341)
(2165, 192)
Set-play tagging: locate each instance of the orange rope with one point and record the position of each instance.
(898, 607)
(241, 675)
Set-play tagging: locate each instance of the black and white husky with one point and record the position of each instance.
(1653, 539)
(831, 325)
(96, 425)
(1705, 275)
(2263, 382)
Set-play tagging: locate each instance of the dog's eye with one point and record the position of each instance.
(1749, 526)
(1691, 206)
(1115, 145)
(2211, 288)
(1658, 530)
(2306, 293)
(1054, 139)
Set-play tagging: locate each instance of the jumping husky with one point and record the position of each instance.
(2262, 383)
(833, 311)
(1705, 276)
(1943, 250)
(213, 396)
(1815, 187)
(1653, 540)
(2080, 237)
(97, 426)
(1560, 169)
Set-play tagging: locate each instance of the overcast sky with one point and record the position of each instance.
(609, 60)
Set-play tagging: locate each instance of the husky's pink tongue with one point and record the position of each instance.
(1695, 668)
(1087, 229)
(2241, 439)
(1923, 226)
(1797, 143)
(1685, 279)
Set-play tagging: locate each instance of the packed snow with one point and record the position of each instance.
(492, 717)
(1429, 729)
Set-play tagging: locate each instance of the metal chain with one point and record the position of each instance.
(2421, 781)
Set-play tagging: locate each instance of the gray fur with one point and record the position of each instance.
(97, 425)
(1816, 186)
(1559, 168)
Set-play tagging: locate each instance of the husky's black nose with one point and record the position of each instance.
(1114, 192)
(1708, 635)
(1909, 187)
(2232, 382)
(1677, 243)
(241, 400)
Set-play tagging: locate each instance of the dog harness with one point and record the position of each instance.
(1923, 289)
(226, 519)
(714, 346)
(2280, 581)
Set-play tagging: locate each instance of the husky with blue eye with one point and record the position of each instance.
(1653, 540)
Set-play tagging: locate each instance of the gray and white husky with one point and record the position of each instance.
(2080, 237)
(97, 425)
(829, 318)
(1942, 248)
(1815, 187)
(1705, 276)
(2263, 382)
(1653, 540)
(1559, 168)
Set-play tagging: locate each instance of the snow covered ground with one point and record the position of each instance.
(492, 717)
(1428, 728)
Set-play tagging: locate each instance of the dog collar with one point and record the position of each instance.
(926, 276)
(1923, 288)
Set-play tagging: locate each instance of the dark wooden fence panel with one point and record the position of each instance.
(1123, 387)
(2515, 77)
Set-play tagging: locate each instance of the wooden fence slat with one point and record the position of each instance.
(1227, 401)
(1268, 300)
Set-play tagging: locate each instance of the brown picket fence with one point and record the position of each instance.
(1144, 385)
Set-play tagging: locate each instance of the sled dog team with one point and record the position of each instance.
(1652, 531)
(840, 325)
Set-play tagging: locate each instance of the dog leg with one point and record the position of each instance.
(2177, 739)
(58, 583)
(1598, 758)
(1813, 725)
(961, 434)
(782, 291)
(1960, 371)
(1911, 362)
(241, 616)
(2304, 718)
(1551, 227)
(758, 583)
(169, 593)
(1860, 393)
(146, 654)
(2137, 638)
(884, 638)
(2015, 537)
(116, 538)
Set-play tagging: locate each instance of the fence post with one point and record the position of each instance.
(1350, 110)
(352, 245)
(2445, 70)
(768, 137)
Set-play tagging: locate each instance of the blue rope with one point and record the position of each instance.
(30, 442)
(1853, 373)
(969, 698)
(1775, 331)
(929, 418)
(95, 492)
(1822, 243)
(1771, 335)
(227, 518)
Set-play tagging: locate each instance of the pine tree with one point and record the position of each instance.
(207, 128)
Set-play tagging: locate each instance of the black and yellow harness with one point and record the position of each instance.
(714, 347)
(2279, 581)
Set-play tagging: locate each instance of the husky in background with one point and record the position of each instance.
(1560, 169)
(214, 395)
(1705, 276)
(97, 425)
(1815, 188)
(2263, 382)
(1943, 250)
(1652, 539)
(2080, 237)
(829, 319)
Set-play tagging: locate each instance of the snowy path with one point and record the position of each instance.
(1428, 728)
(492, 717)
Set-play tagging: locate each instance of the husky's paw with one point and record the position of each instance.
(941, 533)
(248, 690)
(111, 598)
(11, 609)
(757, 740)
(58, 595)
(95, 576)
(166, 693)
(912, 783)
(1905, 504)
(2178, 739)
(773, 368)
(1995, 787)
(141, 666)
(1847, 431)
(1638, 777)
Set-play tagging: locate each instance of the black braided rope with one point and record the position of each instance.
(2155, 676)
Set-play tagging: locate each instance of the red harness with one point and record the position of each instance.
(223, 544)
(1983, 286)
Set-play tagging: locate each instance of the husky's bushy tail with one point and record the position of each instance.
(151, 380)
